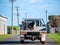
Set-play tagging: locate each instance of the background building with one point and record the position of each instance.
(3, 25)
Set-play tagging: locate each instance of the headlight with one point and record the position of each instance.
(43, 32)
(22, 32)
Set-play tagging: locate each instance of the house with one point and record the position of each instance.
(3, 25)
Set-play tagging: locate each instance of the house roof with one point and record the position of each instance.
(3, 17)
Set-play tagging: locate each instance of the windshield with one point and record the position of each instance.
(30, 21)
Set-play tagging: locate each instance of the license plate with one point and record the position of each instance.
(28, 35)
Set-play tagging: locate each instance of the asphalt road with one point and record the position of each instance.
(15, 40)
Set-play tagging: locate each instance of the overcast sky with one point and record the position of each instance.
(33, 8)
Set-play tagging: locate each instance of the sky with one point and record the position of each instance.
(32, 8)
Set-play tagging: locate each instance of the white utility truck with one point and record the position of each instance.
(33, 29)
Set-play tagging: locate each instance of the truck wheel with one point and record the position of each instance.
(22, 41)
(43, 42)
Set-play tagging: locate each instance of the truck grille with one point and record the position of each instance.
(33, 33)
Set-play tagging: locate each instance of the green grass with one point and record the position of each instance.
(55, 37)
(3, 37)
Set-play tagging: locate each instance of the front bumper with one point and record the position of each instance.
(31, 35)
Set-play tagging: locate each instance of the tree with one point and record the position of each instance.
(55, 21)
(15, 28)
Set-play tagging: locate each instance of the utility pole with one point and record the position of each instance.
(12, 1)
(26, 20)
(46, 19)
(18, 19)
(17, 16)
(26, 15)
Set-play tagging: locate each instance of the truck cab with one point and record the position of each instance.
(33, 29)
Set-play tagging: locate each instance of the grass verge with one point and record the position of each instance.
(3, 37)
(55, 37)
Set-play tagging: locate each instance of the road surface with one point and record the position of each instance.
(15, 40)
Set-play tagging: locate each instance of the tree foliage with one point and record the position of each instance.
(14, 28)
(54, 21)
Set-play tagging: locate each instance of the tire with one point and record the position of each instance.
(22, 41)
(40, 39)
(43, 42)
